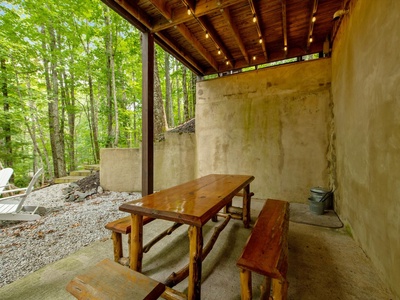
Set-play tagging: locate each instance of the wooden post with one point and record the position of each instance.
(136, 250)
(117, 242)
(245, 284)
(195, 254)
(279, 289)
(147, 113)
(246, 206)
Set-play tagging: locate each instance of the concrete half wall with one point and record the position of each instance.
(174, 163)
(272, 123)
(366, 93)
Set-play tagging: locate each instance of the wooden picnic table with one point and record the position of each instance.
(193, 203)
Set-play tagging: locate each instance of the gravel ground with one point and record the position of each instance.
(64, 228)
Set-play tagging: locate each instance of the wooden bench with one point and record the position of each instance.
(266, 252)
(110, 280)
(119, 227)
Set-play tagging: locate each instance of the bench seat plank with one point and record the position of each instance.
(266, 249)
(110, 280)
(123, 225)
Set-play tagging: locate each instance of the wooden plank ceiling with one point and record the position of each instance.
(216, 36)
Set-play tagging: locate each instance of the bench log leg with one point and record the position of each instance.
(279, 289)
(117, 243)
(245, 285)
(266, 288)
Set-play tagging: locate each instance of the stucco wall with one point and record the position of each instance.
(174, 163)
(366, 93)
(272, 123)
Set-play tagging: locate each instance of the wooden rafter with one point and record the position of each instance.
(284, 27)
(202, 8)
(226, 14)
(135, 11)
(255, 13)
(311, 26)
(188, 36)
(163, 8)
(215, 37)
(165, 42)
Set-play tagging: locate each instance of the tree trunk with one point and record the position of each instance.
(193, 89)
(168, 96)
(52, 93)
(110, 133)
(185, 95)
(8, 161)
(93, 117)
(159, 113)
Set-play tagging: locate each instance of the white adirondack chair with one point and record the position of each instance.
(5, 175)
(12, 207)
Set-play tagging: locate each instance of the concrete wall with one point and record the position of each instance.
(366, 93)
(272, 123)
(174, 163)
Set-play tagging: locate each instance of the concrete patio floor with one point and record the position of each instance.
(323, 264)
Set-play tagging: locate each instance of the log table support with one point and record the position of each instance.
(195, 250)
(245, 282)
(177, 277)
(136, 254)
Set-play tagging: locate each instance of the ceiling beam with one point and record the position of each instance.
(311, 24)
(163, 8)
(284, 27)
(255, 13)
(203, 7)
(192, 40)
(228, 18)
(183, 57)
(213, 35)
(136, 12)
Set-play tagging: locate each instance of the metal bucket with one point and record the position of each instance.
(316, 207)
(319, 193)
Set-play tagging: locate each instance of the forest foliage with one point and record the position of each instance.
(71, 84)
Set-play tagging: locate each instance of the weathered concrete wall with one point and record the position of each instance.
(120, 169)
(174, 163)
(272, 123)
(175, 160)
(366, 93)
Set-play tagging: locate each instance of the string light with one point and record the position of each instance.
(254, 57)
(227, 62)
(188, 11)
(260, 40)
(314, 19)
(311, 39)
(219, 52)
(254, 18)
(285, 48)
(206, 35)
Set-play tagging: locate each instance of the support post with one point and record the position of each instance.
(147, 113)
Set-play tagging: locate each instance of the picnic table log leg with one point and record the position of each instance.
(246, 206)
(195, 255)
(177, 277)
(245, 285)
(136, 249)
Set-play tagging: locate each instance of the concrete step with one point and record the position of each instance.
(78, 174)
(68, 179)
(81, 173)
(92, 167)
